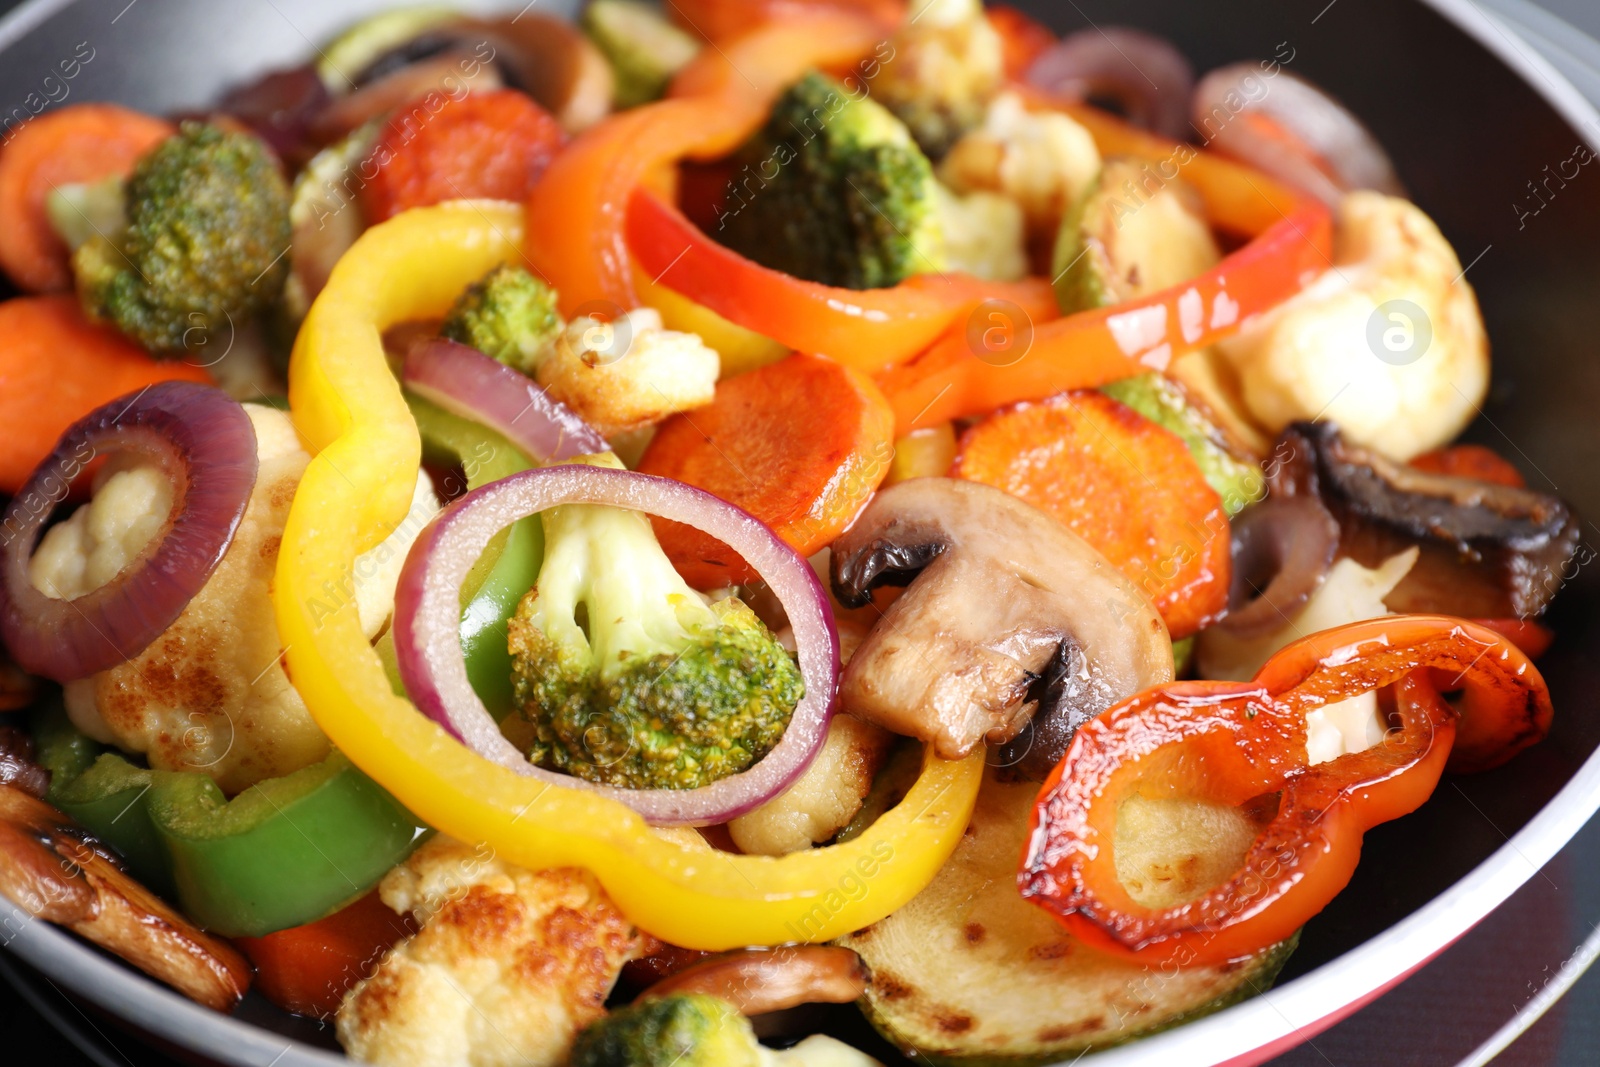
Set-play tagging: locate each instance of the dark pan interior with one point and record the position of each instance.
(1468, 136)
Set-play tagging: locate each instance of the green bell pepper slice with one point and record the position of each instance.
(284, 852)
(508, 567)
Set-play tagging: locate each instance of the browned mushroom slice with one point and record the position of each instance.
(450, 73)
(548, 58)
(552, 61)
(55, 870)
(1488, 551)
(17, 767)
(758, 981)
(1007, 613)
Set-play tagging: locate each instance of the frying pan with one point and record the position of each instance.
(1472, 117)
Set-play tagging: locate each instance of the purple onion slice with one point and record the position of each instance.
(200, 439)
(1146, 77)
(1345, 155)
(467, 383)
(427, 631)
(1282, 549)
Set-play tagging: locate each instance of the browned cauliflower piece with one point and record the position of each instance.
(211, 693)
(824, 799)
(509, 964)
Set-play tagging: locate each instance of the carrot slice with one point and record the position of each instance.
(1122, 483)
(56, 367)
(308, 969)
(486, 145)
(801, 444)
(81, 143)
(1471, 461)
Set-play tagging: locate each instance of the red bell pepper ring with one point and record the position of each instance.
(576, 213)
(868, 329)
(1236, 743)
(1292, 244)
(957, 378)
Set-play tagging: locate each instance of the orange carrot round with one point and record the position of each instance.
(485, 145)
(1125, 485)
(308, 969)
(81, 143)
(801, 444)
(56, 367)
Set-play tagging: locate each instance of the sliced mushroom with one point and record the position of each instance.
(548, 58)
(552, 61)
(759, 981)
(17, 767)
(451, 73)
(1488, 550)
(54, 870)
(1007, 613)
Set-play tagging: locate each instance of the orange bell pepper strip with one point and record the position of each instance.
(719, 21)
(1293, 244)
(577, 211)
(868, 329)
(1235, 743)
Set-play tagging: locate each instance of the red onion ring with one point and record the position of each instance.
(467, 383)
(1339, 155)
(427, 632)
(1291, 538)
(1149, 79)
(205, 443)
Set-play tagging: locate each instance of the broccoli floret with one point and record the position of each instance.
(508, 314)
(624, 675)
(204, 248)
(834, 190)
(690, 1030)
(947, 64)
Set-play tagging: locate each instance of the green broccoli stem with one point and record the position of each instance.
(608, 561)
(625, 675)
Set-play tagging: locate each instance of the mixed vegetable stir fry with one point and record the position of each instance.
(550, 543)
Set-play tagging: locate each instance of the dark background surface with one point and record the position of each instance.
(1440, 1016)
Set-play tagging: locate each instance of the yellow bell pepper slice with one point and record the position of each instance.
(348, 409)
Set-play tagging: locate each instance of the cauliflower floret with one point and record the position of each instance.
(624, 375)
(947, 62)
(130, 505)
(825, 798)
(210, 694)
(1314, 355)
(982, 235)
(508, 965)
(1041, 159)
(1349, 593)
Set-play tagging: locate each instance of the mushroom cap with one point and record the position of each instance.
(1008, 614)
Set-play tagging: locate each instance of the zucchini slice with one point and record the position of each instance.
(1132, 234)
(969, 973)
